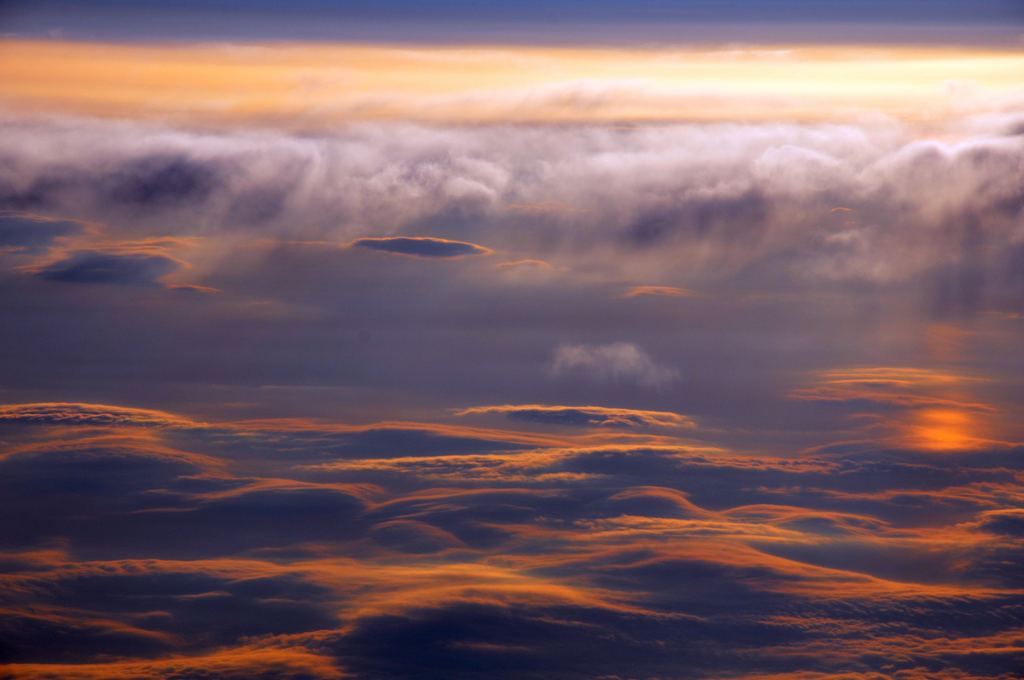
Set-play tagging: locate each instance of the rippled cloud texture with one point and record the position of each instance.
(334, 360)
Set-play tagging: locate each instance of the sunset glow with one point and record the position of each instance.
(299, 85)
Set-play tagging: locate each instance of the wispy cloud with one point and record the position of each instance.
(584, 415)
(657, 291)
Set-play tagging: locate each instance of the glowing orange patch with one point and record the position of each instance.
(944, 429)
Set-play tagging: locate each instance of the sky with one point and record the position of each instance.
(564, 340)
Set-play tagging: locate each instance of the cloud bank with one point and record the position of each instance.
(711, 201)
(144, 560)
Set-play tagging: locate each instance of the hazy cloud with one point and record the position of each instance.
(709, 200)
(615, 362)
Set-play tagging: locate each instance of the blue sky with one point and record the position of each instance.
(572, 21)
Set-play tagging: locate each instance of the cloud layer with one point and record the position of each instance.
(144, 560)
(713, 202)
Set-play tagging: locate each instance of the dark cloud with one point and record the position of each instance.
(129, 269)
(1009, 522)
(180, 606)
(168, 524)
(72, 490)
(474, 641)
(33, 233)
(420, 246)
(315, 442)
(94, 466)
(159, 181)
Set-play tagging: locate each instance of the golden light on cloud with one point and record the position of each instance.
(891, 376)
(580, 415)
(943, 429)
(657, 291)
(916, 408)
(331, 83)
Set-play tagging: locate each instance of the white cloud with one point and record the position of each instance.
(614, 362)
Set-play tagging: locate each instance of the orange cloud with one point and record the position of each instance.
(676, 498)
(241, 662)
(946, 429)
(98, 415)
(657, 291)
(576, 528)
(916, 408)
(516, 264)
(589, 415)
